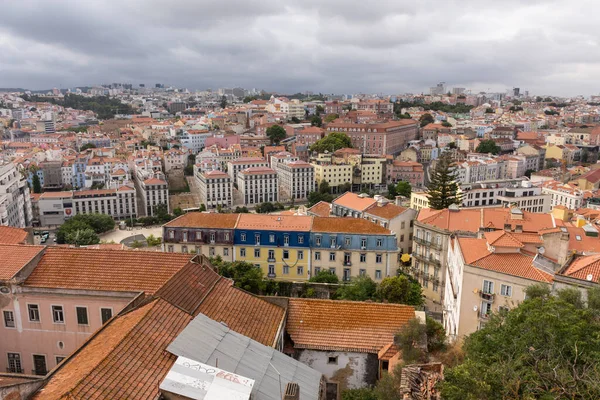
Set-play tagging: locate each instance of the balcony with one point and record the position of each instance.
(487, 296)
(483, 315)
(425, 259)
(347, 263)
(271, 275)
(427, 243)
(271, 259)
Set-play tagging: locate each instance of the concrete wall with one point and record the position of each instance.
(352, 370)
(20, 391)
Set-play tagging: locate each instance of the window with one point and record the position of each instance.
(286, 254)
(256, 253)
(332, 256)
(14, 363)
(184, 249)
(226, 235)
(257, 238)
(9, 319)
(58, 316)
(185, 236)
(346, 276)
(379, 242)
(286, 270)
(378, 258)
(362, 272)
(347, 258)
(347, 241)
(363, 243)
(332, 360)
(271, 238)
(212, 237)
(242, 252)
(318, 240)
(363, 257)
(286, 240)
(317, 255)
(243, 237)
(39, 364)
(378, 274)
(300, 271)
(226, 251)
(211, 251)
(82, 315)
(317, 270)
(332, 271)
(198, 235)
(33, 310)
(300, 255)
(488, 287)
(506, 290)
(271, 269)
(300, 239)
(271, 255)
(105, 314)
(486, 309)
(171, 234)
(59, 359)
(170, 248)
(333, 242)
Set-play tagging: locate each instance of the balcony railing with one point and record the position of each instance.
(271, 259)
(487, 296)
(483, 315)
(429, 260)
(347, 263)
(15, 370)
(428, 243)
(273, 275)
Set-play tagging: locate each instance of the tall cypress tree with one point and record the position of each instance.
(443, 190)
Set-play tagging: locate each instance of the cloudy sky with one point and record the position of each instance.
(340, 46)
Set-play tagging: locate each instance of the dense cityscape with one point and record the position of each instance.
(299, 200)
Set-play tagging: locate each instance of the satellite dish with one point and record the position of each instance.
(474, 308)
(541, 249)
(589, 277)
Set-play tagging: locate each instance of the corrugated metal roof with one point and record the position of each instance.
(213, 343)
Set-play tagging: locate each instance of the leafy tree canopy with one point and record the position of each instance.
(104, 106)
(87, 146)
(546, 348)
(245, 275)
(82, 237)
(316, 121)
(324, 276)
(276, 133)
(488, 146)
(400, 289)
(332, 142)
(426, 119)
(360, 289)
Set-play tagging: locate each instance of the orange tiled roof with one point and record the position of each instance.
(502, 239)
(115, 270)
(204, 220)
(475, 252)
(584, 267)
(354, 202)
(347, 225)
(14, 257)
(10, 235)
(334, 325)
(387, 211)
(126, 359)
(322, 209)
(274, 222)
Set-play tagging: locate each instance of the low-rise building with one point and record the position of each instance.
(210, 234)
(563, 195)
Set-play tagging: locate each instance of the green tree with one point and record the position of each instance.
(324, 276)
(488, 146)
(295, 120)
(136, 244)
(319, 109)
(35, 181)
(400, 289)
(489, 110)
(585, 154)
(202, 207)
(100, 223)
(316, 121)
(452, 145)
(241, 210)
(245, 275)
(426, 119)
(331, 117)
(411, 341)
(529, 172)
(436, 335)
(153, 241)
(177, 211)
(315, 197)
(332, 142)
(223, 103)
(361, 288)
(403, 188)
(82, 237)
(546, 348)
(443, 189)
(446, 124)
(87, 146)
(276, 133)
(392, 192)
(161, 212)
(248, 99)
(359, 394)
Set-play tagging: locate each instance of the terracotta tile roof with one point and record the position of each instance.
(580, 242)
(243, 312)
(583, 267)
(388, 351)
(475, 252)
(56, 195)
(154, 181)
(348, 225)
(592, 176)
(466, 220)
(502, 239)
(528, 237)
(354, 202)
(322, 209)
(10, 235)
(116, 270)
(387, 211)
(215, 174)
(344, 325)
(204, 220)
(127, 359)
(14, 257)
(274, 222)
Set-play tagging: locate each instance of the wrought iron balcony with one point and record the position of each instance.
(271, 276)
(427, 243)
(487, 296)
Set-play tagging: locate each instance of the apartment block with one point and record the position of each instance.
(257, 185)
(239, 164)
(215, 189)
(15, 201)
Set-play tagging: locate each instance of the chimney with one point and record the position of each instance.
(292, 391)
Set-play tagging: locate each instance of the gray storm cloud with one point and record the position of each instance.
(547, 47)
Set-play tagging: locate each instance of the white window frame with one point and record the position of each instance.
(490, 287)
(63, 314)
(506, 290)
(39, 320)
(14, 322)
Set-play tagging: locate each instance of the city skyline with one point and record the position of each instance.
(284, 47)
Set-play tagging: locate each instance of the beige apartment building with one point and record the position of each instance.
(258, 185)
(215, 189)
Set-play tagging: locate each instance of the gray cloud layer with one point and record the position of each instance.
(389, 46)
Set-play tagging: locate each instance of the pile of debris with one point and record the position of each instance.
(418, 381)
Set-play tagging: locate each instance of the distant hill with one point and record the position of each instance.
(12, 90)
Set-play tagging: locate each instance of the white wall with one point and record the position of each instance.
(351, 371)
